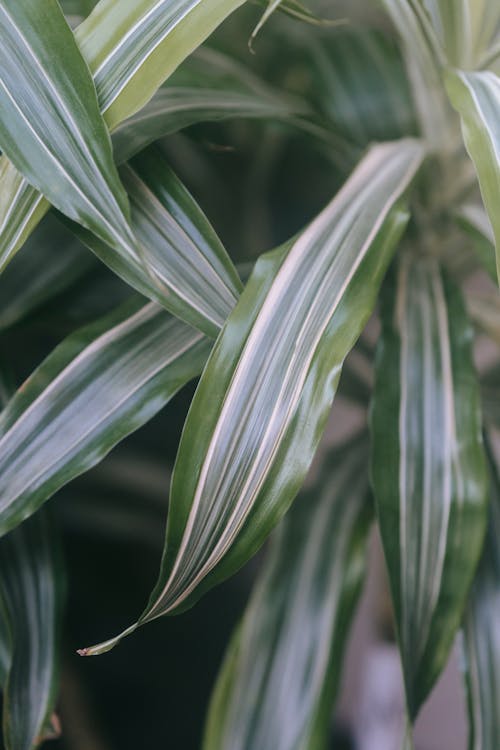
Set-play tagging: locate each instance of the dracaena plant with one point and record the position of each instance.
(103, 119)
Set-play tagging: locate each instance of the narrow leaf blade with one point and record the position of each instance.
(297, 619)
(99, 385)
(428, 465)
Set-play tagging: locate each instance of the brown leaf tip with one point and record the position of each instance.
(82, 652)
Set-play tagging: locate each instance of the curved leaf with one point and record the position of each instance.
(32, 586)
(428, 465)
(280, 676)
(208, 86)
(482, 636)
(98, 386)
(131, 47)
(50, 125)
(261, 404)
(190, 273)
(476, 96)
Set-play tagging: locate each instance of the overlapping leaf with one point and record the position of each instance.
(50, 124)
(476, 96)
(131, 48)
(99, 385)
(482, 636)
(428, 465)
(208, 86)
(188, 270)
(259, 410)
(279, 679)
(31, 595)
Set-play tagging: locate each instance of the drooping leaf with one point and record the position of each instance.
(261, 404)
(279, 680)
(131, 47)
(50, 125)
(96, 387)
(428, 465)
(190, 273)
(476, 96)
(32, 585)
(51, 261)
(482, 636)
(475, 221)
(208, 86)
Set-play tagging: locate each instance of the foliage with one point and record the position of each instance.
(366, 151)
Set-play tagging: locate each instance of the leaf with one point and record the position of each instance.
(428, 465)
(50, 263)
(484, 310)
(476, 96)
(424, 60)
(280, 676)
(50, 125)
(474, 220)
(131, 47)
(208, 86)
(190, 273)
(481, 636)
(262, 402)
(96, 387)
(32, 589)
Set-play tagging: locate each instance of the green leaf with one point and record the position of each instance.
(428, 465)
(131, 47)
(476, 96)
(475, 221)
(99, 385)
(484, 310)
(51, 261)
(32, 587)
(261, 405)
(188, 270)
(50, 125)
(279, 679)
(208, 86)
(481, 635)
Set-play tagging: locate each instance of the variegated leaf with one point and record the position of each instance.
(50, 125)
(482, 635)
(261, 404)
(127, 366)
(131, 48)
(188, 270)
(208, 86)
(476, 96)
(32, 586)
(280, 676)
(428, 465)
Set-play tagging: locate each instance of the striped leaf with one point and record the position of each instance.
(51, 261)
(131, 47)
(50, 125)
(32, 585)
(423, 61)
(279, 679)
(262, 402)
(188, 270)
(208, 86)
(482, 637)
(476, 96)
(475, 221)
(428, 465)
(99, 385)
